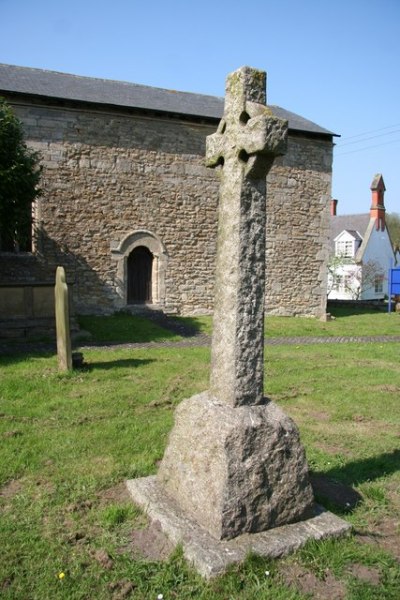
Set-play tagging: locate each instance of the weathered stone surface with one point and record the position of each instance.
(212, 557)
(234, 461)
(236, 470)
(234, 464)
(246, 142)
(64, 351)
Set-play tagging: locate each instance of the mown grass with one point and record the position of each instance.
(124, 328)
(347, 322)
(68, 442)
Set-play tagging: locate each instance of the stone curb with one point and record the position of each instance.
(212, 557)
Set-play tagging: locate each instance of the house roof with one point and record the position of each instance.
(354, 234)
(63, 86)
(356, 224)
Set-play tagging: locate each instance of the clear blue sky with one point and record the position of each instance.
(335, 62)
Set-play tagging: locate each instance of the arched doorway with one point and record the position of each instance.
(140, 268)
(123, 252)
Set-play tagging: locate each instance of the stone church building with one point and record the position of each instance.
(130, 210)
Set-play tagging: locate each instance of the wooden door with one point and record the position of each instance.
(140, 265)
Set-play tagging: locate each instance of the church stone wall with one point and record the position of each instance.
(298, 196)
(110, 173)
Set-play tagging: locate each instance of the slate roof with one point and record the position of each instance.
(63, 86)
(355, 224)
(354, 234)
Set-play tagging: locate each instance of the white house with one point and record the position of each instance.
(362, 251)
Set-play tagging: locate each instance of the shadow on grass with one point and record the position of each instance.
(126, 363)
(350, 309)
(21, 354)
(367, 469)
(151, 326)
(184, 326)
(334, 489)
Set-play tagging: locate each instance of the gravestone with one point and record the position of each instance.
(64, 351)
(234, 464)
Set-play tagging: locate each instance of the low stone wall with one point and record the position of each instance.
(26, 310)
(26, 301)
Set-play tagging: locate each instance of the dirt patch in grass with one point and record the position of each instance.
(150, 543)
(103, 558)
(370, 575)
(333, 449)
(388, 388)
(115, 494)
(11, 489)
(12, 434)
(296, 576)
(121, 589)
(319, 416)
(393, 493)
(385, 535)
(288, 394)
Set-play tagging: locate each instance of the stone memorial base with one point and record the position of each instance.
(233, 480)
(212, 557)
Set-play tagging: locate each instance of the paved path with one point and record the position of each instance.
(194, 341)
(204, 340)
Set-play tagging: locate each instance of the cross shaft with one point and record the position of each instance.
(246, 142)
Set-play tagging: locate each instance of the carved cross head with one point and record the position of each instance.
(248, 136)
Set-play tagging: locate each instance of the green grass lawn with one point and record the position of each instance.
(124, 328)
(346, 322)
(68, 442)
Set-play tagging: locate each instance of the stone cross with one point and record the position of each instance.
(234, 464)
(64, 352)
(246, 142)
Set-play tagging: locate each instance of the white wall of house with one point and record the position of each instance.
(345, 285)
(378, 256)
(345, 282)
(367, 280)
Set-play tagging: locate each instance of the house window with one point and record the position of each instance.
(337, 282)
(345, 248)
(342, 283)
(378, 284)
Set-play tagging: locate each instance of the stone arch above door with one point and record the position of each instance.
(122, 249)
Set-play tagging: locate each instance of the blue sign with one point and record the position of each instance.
(394, 285)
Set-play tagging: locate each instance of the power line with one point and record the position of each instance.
(350, 137)
(369, 138)
(368, 148)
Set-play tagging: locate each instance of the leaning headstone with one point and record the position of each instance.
(64, 352)
(234, 464)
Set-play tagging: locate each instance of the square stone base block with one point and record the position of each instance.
(212, 557)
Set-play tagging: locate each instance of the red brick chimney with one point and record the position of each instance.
(333, 207)
(378, 210)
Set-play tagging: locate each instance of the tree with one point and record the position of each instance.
(393, 225)
(19, 180)
(355, 279)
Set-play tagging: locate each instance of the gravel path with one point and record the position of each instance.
(190, 342)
